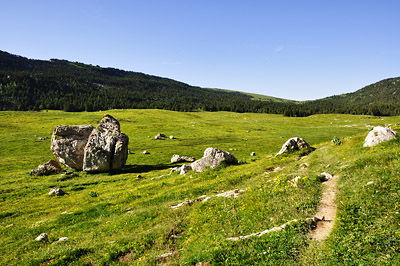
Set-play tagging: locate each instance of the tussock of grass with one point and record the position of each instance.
(129, 221)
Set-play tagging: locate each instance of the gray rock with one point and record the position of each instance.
(43, 237)
(185, 168)
(68, 144)
(212, 158)
(48, 168)
(107, 147)
(378, 135)
(178, 159)
(294, 144)
(253, 154)
(56, 192)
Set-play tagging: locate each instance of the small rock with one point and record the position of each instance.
(56, 192)
(139, 177)
(185, 168)
(48, 168)
(42, 237)
(294, 144)
(369, 183)
(171, 137)
(41, 138)
(178, 159)
(326, 176)
(212, 158)
(304, 165)
(253, 154)
(160, 136)
(62, 239)
(145, 152)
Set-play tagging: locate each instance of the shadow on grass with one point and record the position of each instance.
(137, 169)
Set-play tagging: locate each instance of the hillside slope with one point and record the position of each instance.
(380, 98)
(27, 84)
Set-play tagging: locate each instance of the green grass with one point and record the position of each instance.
(129, 221)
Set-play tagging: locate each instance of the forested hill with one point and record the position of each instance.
(379, 99)
(27, 84)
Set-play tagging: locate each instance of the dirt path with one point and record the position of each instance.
(326, 211)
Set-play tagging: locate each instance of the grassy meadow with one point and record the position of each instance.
(118, 219)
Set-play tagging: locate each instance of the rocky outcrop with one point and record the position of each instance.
(294, 144)
(84, 147)
(212, 158)
(51, 167)
(68, 144)
(107, 147)
(378, 135)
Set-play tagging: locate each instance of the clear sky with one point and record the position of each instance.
(290, 49)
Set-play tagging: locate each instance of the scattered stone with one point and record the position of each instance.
(248, 131)
(68, 144)
(185, 168)
(48, 168)
(369, 183)
(228, 194)
(41, 138)
(274, 229)
(178, 159)
(145, 152)
(294, 181)
(107, 147)
(326, 176)
(294, 144)
(56, 192)
(378, 135)
(165, 255)
(139, 177)
(304, 165)
(171, 137)
(213, 157)
(160, 136)
(42, 238)
(60, 240)
(154, 178)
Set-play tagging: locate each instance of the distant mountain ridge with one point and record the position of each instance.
(28, 84)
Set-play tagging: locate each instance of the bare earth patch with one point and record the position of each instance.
(326, 211)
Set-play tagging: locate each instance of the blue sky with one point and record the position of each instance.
(290, 49)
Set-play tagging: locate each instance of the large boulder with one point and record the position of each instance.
(378, 135)
(212, 158)
(68, 144)
(294, 144)
(107, 147)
